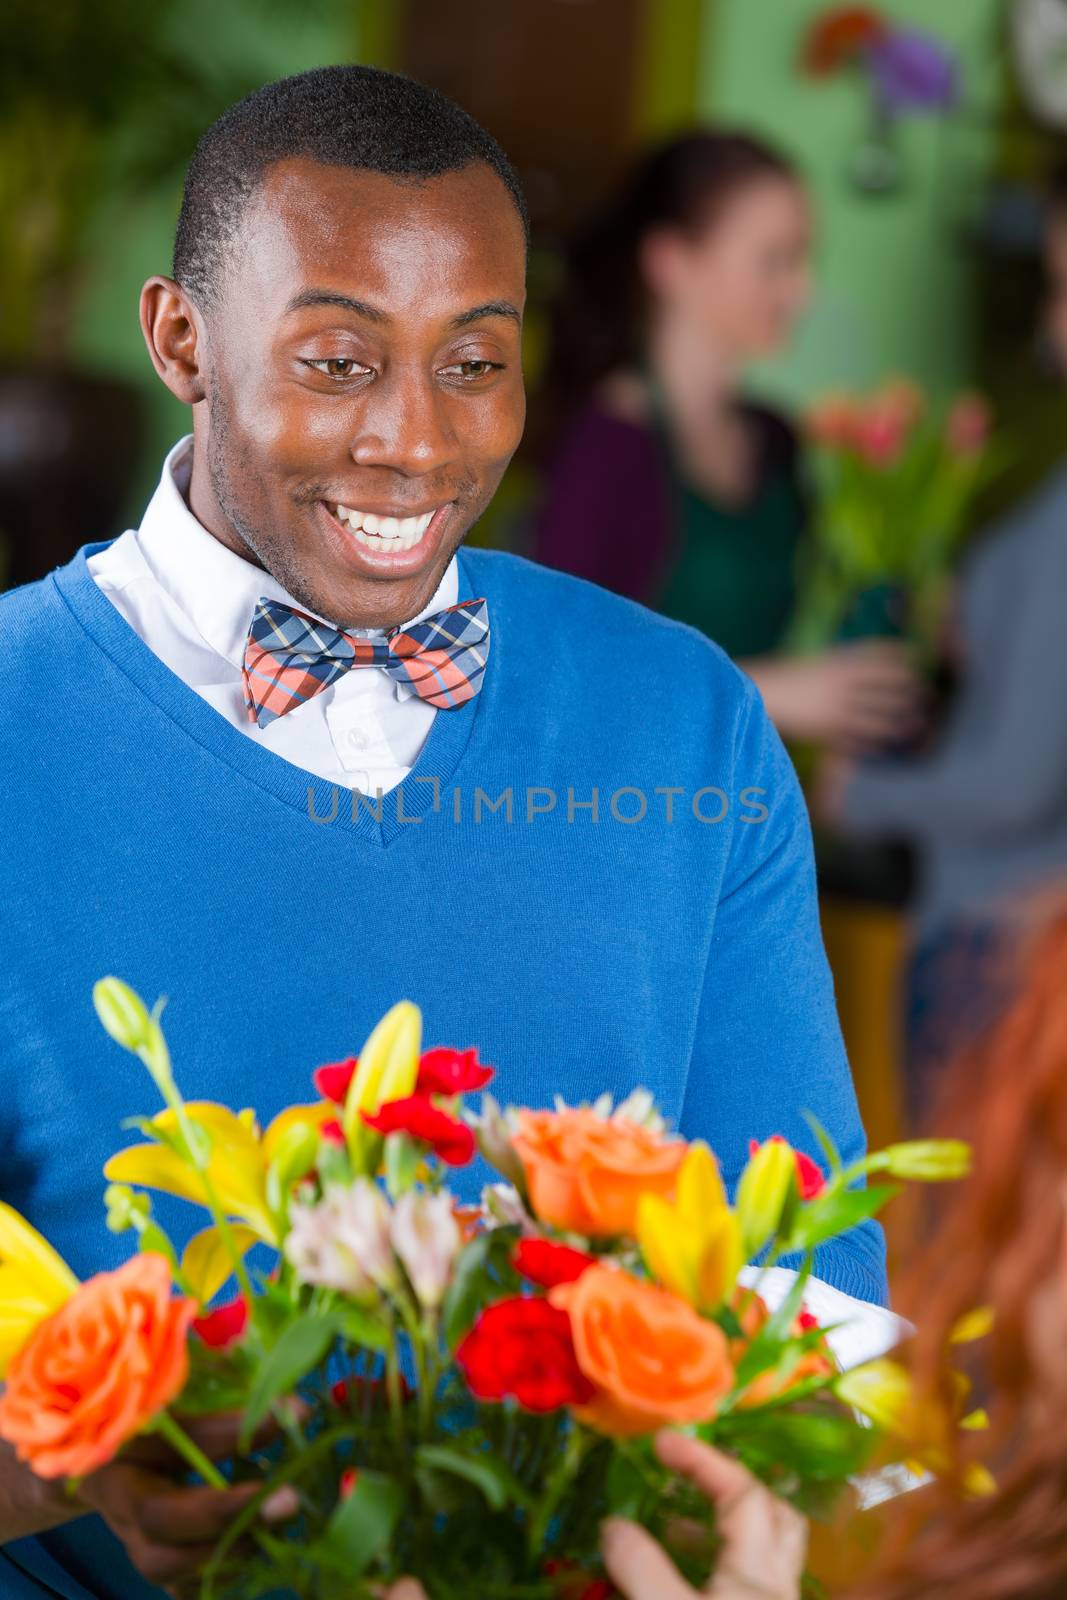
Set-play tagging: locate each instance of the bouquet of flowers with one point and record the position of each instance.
(894, 479)
(475, 1390)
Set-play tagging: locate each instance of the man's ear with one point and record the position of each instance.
(173, 333)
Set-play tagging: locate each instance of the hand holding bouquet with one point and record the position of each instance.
(477, 1391)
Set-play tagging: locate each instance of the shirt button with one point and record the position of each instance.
(356, 740)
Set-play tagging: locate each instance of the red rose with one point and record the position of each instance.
(333, 1079)
(450, 1140)
(445, 1071)
(224, 1326)
(523, 1348)
(548, 1264)
(810, 1180)
(805, 1322)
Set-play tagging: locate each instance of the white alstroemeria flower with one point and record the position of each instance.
(313, 1249)
(502, 1202)
(493, 1130)
(639, 1107)
(363, 1222)
(426, 1237)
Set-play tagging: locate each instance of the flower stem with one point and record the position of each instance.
(190, 1452)
(555, 1488)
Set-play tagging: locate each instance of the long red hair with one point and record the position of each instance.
(1000, 1243)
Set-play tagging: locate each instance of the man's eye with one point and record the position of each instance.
(475, 368)
(337, 366)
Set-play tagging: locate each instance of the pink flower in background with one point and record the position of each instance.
(968, 425)
(832, 421)
(901, 398)
(880, 434)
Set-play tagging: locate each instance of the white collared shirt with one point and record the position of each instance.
(191, 600)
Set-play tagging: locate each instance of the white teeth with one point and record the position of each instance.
(384, 533)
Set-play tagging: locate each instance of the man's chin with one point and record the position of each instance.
(366, 587)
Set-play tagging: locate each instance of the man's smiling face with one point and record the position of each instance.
(362, 381)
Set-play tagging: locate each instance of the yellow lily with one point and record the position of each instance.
(693, 1245)
(762, 1192)
(883, 1390)
(34, 1282)
(387, 1069)
(240, 1158)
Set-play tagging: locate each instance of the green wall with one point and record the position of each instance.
(894, 272)
(254, 41)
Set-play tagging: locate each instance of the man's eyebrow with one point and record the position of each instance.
(492, 308)
(330, 297)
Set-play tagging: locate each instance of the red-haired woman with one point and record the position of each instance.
(1003, 1244)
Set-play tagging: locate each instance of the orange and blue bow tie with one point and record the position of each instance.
(289, 657)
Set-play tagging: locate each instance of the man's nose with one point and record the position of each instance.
(406, 425)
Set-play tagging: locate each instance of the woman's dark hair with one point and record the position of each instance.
(597, 322)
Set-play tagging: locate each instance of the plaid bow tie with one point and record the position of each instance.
(290, 656)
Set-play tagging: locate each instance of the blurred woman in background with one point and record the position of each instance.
(667, 484)
(986, 806)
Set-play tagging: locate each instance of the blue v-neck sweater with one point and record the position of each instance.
(642, 911)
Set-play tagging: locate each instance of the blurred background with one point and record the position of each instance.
(793, 352)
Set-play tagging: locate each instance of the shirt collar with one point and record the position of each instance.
(216, 588)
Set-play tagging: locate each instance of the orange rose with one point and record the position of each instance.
(653, 1358)
(586, 1173)
(97, 1370)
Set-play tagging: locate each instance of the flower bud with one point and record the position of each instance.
(123, 1013)
(126, 1208)
(763, 1191)
(387, 1066)
(928, 1160)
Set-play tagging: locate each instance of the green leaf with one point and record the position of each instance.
(483, 1272)
(363, 1328)
(485, 1472)
(837, 1211)
(362, 1525)
(301, 1347)
(153, 1238)
(825, 1143)
(763, 1352)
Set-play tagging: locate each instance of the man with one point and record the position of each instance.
(559, 823)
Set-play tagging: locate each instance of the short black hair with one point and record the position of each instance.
(343, 116)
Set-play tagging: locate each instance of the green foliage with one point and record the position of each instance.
(302, 1345)
(483, 1272)
(362, 1525)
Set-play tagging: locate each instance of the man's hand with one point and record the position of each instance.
(170, 1529)
(764, 1540)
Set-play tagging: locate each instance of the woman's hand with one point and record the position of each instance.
(857, 698)
(764, 1540)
